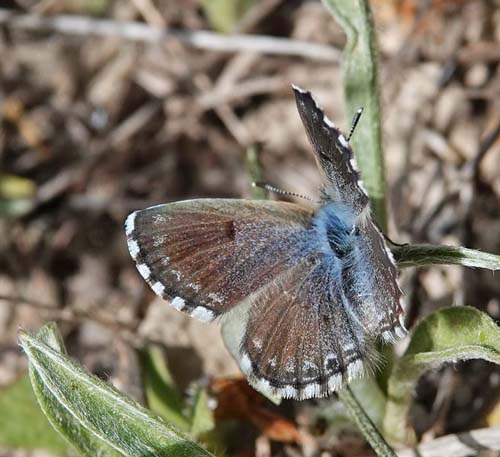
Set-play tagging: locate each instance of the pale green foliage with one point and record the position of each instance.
(16, 195)
(92, 415)
(22, 423)
(425, 254)
(162, 395)
(447, 335)
(202, 420)
(224, 15)
(164, 399)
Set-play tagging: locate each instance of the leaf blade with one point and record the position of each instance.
(161, 393)
(120, 425)
(447, 335)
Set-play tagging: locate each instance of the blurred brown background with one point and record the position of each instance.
(93, 127)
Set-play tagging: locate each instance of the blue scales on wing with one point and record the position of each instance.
(373, 269)
(313, 328)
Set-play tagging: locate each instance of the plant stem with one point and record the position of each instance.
(419, 255)
(359, 67)
(361, 90)
(254, 171)
(367, 427)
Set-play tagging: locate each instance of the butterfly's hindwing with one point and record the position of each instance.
(386, 295)
(300, 341)
(313, 327)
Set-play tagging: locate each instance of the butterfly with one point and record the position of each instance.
(311, 289)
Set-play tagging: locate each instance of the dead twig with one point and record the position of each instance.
(242, 91)
(482, 52)
(127, 330)
(137, 31)
(71, 315)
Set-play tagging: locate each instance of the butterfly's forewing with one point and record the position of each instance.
(333, 153)
(207, 255)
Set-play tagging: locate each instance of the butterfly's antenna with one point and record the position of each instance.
(355, 121)
(287, 193)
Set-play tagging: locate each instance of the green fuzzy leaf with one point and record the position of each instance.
(447, 335)
(60, 418)
(22, 424)
(92, 415)
(50, 335)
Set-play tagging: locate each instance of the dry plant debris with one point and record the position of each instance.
(93, 127)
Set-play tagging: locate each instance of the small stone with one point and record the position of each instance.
(464, 137)
(450, 104)
(477, 75)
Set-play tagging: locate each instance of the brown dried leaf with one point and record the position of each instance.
(237, 400)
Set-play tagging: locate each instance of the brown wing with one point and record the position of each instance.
(370, 282)
(300, 340)
(313, 327)
(332, 152)
(208, 255)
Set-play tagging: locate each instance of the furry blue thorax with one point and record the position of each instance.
(334, 224)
